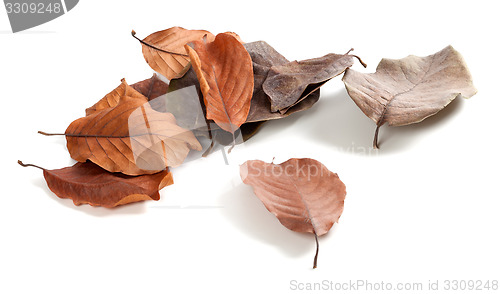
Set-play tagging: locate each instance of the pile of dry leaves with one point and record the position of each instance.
(221, 88)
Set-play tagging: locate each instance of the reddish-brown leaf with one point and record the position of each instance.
(302, 193)
(224, 69)
(112, 98)
(87, 183)
(164, 50)
(131, 138)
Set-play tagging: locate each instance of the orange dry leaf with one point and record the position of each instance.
(224, 69)
(112, 98)
(164, 50)
(131, 138)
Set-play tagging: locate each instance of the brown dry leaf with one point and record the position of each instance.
(87, 183)
(224, 70)
(302, 193)
(164, 50)
(131, 138)
(264, 57)
(408, 90)
(287, 84)
(236, 36)
(112, 98)
(151, 88)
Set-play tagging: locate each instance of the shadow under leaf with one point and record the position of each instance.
(245, 211)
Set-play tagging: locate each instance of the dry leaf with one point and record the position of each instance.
(302, 193)
(408, 90)
(151, 88)
(185, 101)
(224, 70)
(236, 36)
(112, 98)
(87, 183)
(185, 104)
(131, 138)
(249, 129)
(164, 50)
(285, 84)
(263, 58)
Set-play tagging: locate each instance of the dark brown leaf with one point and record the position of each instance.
(185, 101)
(87, 183)
(151, 88)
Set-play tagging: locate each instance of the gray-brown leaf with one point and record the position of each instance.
(408, 90)
(264, 57)
(286, 83)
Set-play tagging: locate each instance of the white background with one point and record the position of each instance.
(425, 207)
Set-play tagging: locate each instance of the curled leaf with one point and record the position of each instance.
(302, 193)
(224, 70)
(263, 58)
(164, 50)
(87, 183)
(408, 90)
(131, 138)
(287, 84)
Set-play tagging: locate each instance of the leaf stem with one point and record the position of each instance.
(156, 48)
(375, 138)
(359, 58)
(315, 264)
(28, 164)
(51, 134)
